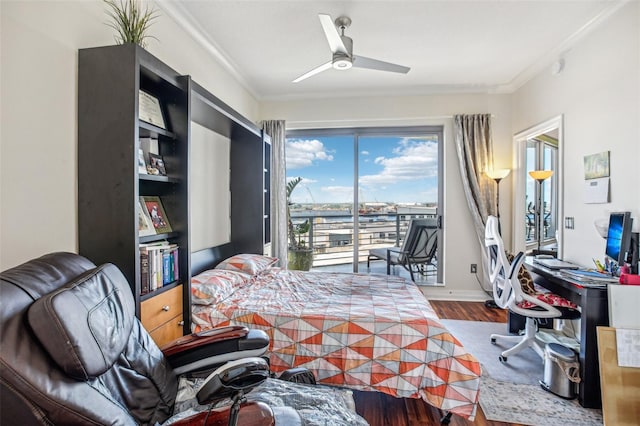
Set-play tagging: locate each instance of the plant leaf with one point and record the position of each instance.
(130, 21)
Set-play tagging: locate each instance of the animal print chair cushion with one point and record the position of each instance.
(540, 293)
(526, 282)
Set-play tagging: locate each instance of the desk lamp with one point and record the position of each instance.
(540, 176)
(497, 176)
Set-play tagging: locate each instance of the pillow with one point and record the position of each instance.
(213, 286)
(86, 324)
(251, 264)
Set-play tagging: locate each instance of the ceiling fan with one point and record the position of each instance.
(342, 49)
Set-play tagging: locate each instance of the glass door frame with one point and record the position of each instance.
(545, 157)
(400, 131)
(520, 180)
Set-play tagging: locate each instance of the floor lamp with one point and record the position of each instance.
(497, 176)
(540, 176)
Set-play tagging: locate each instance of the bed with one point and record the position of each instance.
(366, 332)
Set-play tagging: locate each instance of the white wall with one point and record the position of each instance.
(599, 94)
(40, 40)
(461, 247)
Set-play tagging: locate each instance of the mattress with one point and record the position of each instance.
(364, 331)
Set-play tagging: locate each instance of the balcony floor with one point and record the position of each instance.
(379, 267)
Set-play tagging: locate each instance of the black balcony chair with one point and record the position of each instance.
(72, 352)
(530, 223)
(418, 251)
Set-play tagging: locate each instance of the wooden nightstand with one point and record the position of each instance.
(162, 317)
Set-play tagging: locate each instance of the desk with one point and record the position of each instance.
(594, 312)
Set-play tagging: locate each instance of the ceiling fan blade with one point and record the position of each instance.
(314, 71)
(331, 32)
(374, 64)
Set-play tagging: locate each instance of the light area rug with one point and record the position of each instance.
(510, 392)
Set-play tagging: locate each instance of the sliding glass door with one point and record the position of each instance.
(324, 197)
(361, 187)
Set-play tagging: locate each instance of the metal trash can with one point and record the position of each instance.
(561, 370)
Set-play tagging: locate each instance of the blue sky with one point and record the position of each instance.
(392, 169)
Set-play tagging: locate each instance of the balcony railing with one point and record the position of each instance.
(332, 236)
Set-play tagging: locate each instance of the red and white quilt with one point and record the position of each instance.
(367, 332)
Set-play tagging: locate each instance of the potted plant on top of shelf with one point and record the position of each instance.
(130, 20)
(300, 256)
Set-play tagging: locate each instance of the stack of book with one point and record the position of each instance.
(588, 276)
(158, 265)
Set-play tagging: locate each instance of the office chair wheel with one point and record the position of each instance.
(493, 340)
(502, 359)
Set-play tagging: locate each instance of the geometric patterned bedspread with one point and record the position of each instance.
(367, 332)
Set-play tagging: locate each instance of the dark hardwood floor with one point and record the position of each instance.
(383, 410)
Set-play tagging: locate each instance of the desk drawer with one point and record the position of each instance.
(160, 309)
(169, 331)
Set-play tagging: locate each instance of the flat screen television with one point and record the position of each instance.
(619, 237)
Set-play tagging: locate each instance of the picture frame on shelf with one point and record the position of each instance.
(156, 162)
(145, 226)
(159, 219)
(142, 165)
(149, 110)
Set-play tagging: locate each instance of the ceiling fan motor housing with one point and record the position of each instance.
(341, 60)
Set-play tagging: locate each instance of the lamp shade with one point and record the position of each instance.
(498, 174)
(541, 175)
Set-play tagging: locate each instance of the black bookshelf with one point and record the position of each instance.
(109, 183)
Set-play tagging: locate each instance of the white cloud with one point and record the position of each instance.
(303, 152)
(364, 152)
(414, 159)
(339, 194)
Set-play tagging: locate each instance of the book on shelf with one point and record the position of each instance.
(144, 270)
(158, 265)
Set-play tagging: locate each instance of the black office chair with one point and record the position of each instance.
(418, 253)
(72, 352)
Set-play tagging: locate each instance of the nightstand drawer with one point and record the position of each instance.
(159, 309)
(169, 331)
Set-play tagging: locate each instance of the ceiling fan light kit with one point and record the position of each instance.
(342, 64)
(342, 51)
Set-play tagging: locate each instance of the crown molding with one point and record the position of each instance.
(176, 11)
(557, 53)
(185, 20)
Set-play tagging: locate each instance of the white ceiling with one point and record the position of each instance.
(491, 46)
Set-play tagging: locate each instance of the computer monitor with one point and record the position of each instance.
(619, 236)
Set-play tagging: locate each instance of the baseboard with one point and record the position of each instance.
(442, 293)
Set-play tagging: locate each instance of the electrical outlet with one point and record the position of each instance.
(474, 268)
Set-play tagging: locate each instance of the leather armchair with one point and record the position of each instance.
(73, 352)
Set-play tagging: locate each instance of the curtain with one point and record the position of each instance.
(474, 147)
(276, 129)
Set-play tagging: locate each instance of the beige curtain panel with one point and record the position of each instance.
(474, 147)
(277, 130)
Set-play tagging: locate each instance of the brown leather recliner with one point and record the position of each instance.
(73, 352)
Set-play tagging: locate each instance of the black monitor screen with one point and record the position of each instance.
(618, 236)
